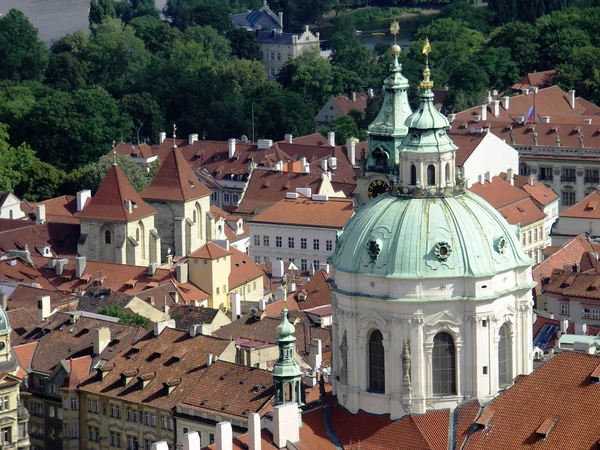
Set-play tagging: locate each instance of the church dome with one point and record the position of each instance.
(4, 323)
(429, 237)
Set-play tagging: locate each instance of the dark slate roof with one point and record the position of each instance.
(273, 38)
(187, 315)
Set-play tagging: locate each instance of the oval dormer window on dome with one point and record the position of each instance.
(442, 251)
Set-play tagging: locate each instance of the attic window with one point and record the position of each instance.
(591, 205)
(595, 375)
(544, 429)
(483, 420)
(153, 356)
(595, 285)
(555, 129)
(191, 183)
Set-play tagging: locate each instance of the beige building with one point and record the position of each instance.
(277, 48)
(225, 273)
(117, 225)
(182, 203)
(13, 416)
(129, 401)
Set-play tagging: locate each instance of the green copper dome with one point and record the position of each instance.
(285, 329)
(428, 237)
(4, 323)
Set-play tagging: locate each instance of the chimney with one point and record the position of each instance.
(254, 437)
(4, 300)
(370, 92)
(166, 306)
(333, 162)
(468, 183)
(451, 118)
(101, 339)
(161, 137)
(80, 265)
(510, 177)
(192, 138)
(231, 147)
(43, 308)
(286, 424)
(262, 304)
(277, 269)
(224, 436)
(531, 180)
(324, 164)
(483, 114)
(354, 97)
(488, 176)
(129, 206)
(545, 119)
(572, 98)
(40, 213)
(506, 102)
(160, 445)
(191, 441)
(60, 266)
(236, 306)
(82, 197)
(587, 121)
(306, 168)
(351, 146)
(564, 325)
(160, 326)
(331, 138)
(497, 108)
(209, 359)
(181, 273)
(488, 98)
(288, 138)
(580, 328)
(281, 19)
(315, 357)
(152, 268)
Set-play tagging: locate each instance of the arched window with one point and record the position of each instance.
(140, 236)
(107, 237)
(137, 234)
(10, 214)
(376, 363)
(198, 213)
(431, 175)
(194, 216)
(448, 174)
(444, 365)
(504, 357)
(413, 174)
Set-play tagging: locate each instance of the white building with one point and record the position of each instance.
(10, 206)
(431, 288)
(301, 229)
(583, 217)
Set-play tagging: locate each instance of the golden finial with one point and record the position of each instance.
(426, 83)
(394, 29)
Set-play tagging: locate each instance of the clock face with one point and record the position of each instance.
(377, 187)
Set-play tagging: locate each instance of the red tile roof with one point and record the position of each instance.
(60, 237)
(109, 201)
(143, 151)
(467, 143)
(243, 269)
(16, 271)
(535, 79)
(538, 191)
(345, 103)
(210, 251)
(586, 208)
(275, 309)
(21, 322)
(315, 293)
(315, 139)
(81, 366)
(61, 209)
(568, 254)
(498, 193)
(332, 213)
(561, 388)
(175, 181)
(24, 354)
(568, 284)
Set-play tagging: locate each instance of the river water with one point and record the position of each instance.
(55, 18)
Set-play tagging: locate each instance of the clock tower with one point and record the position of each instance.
(379, 168)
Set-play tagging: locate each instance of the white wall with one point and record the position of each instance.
(271, 253)
(568, 227)
(11, 209)
(491, 155)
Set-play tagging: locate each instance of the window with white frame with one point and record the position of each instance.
(303, 264)
(316, 244)
(291, 242)
(329, 245)
(564, 309)
(73, 403)
(235, 198)
(225, 197)
(266, 241)
(213, 197)
(585, 313)
(595, 313)
(4, 403)
(257, 240)
(303, 243)
(278, 241)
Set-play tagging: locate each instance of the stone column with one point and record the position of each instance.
(387, 364)
(458, 345)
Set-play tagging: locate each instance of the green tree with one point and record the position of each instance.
(15, 163)
(183, 13)
(243, 45)
(146, 116)
(501, 70)
(157, 35)
(211, 41)
(22, 55)
(41, 181)
(478, 18)
(71, 130)
(345, 127)
(124, 317)
(91, 175)
(309, 75)
(127, 10)
(521, 38)
(117, 57)
(101, 10)
(66, 72)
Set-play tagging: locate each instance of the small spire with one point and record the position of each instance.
(114, 157)
(426, 83)
(394, 29)
(174, 135)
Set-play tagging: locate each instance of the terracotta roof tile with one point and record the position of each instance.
(109, 201)
(538, 191)
(175, 181)
(60, 237)
(81, 366)
(231, 390)
(16, 271)
(61, 209)
(27, 298)
(143, 151)
(333, 213)
(467, 143)
(243, 269)
(560, 388)
(187, 315)
(21, 322)
(315, 293)
(534, 79)
(171, 355)
(345, 104)
(586, 208)
(210, 251)
(498, 193)
(24, 354)
(523, 212)
(275, 309)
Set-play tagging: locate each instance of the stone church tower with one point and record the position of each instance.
(379, 168)
(117, 225)
(431, 290)
(182, 203)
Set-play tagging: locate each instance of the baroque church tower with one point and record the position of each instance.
(431, 290)
(379, 169)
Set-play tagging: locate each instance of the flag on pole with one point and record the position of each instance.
(530, 114)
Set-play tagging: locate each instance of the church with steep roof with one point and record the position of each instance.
(431, 290)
